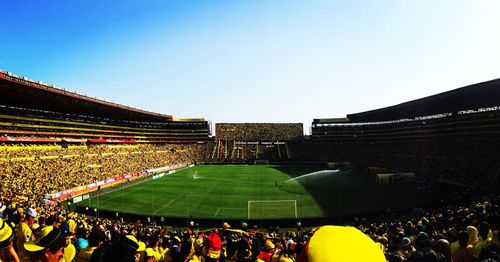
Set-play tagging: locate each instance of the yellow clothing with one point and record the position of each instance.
(479, 247)
(454, 246)
(84, 254)
(473, 235)
(157, 254)
(24, 234)
(281, 258)
(69, 253)
(72, 226)
(196, 258)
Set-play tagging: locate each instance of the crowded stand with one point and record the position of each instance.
(49, 147)
(31, 172)
(459, 232)
(259, 131)
(450, 136)
(246, 142)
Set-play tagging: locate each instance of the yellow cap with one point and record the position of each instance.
(337, 244)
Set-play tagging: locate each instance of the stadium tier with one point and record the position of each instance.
(449, 135)
(464, 112)
(245, 142)
(416, 180)
(33, 110)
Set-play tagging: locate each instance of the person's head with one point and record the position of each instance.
(472, 231)
(269, 246)
(49, 247)
(132, 247)
(6, 234)
(2, 209)
(337, 243)
(149, 255)
(30, 216)
(176, 241)
(154, 240)
(484, 230)
(442, 247)
(463, 239)
(96, 238)
(81, 243)
(406, 243)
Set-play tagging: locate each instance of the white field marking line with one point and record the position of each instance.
(171, 201)
(216, 213)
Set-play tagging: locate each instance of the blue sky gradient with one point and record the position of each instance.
(253, 61)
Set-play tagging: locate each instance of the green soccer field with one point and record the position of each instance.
(256, 192)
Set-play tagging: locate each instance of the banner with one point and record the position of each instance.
(74, 192)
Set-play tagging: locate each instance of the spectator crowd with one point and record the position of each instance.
(456, 233)
(31, 230)
(259, 131)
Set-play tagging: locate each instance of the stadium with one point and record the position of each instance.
(61, 150)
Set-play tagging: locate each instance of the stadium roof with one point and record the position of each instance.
(473, 97)
(19, 91)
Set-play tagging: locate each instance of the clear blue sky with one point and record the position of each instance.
(255, 60)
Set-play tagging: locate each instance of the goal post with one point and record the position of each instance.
(267, 209)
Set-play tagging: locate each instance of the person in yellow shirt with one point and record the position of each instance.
(197, 251)
(484, 240)
(163, 249)
(24, 233)
(49, 247)
(69, 251)
(472, 232)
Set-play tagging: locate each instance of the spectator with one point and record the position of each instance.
(7, 252)
(443, 250)
(484, 240)
(465, 253)
(49, 247)
(23, 230)
(128, 249)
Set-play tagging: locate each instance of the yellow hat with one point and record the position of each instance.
(69, 252)
(269, 244)
(133, 243)
(337, 243)
(5, 234)
(150, 252)
(49, 237)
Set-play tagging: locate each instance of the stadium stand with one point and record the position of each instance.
(246, 142)
(47, 147)
(31, 109)
(453, 135)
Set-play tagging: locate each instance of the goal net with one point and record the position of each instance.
(268, 209)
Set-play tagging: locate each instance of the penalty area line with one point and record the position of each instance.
(216, 213)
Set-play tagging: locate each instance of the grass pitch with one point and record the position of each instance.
(275, 192)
